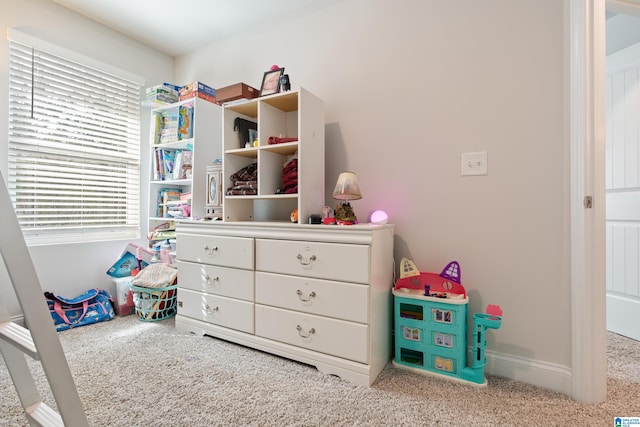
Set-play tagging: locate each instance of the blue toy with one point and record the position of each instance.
(431, 313)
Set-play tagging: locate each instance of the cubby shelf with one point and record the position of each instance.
(295, 114)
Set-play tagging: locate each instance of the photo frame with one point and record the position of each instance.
(271, 82)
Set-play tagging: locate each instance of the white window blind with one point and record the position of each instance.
(74, 148)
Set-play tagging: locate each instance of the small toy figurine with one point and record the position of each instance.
(294, 215)
(327, 215)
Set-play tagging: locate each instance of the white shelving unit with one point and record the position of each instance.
(203, 140)
(295, 114)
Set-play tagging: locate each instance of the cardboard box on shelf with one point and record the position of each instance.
(198, 89)
(236, 91)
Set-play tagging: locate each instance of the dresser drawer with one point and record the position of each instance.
(341, 300)
(213, 279)
(227, 312)
(225, 251)
(345, 262)
(330, 336)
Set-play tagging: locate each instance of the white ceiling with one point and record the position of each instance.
(622, 31)
(177, 27)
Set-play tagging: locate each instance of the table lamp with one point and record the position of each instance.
(346, 189)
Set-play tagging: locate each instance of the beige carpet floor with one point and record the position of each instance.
(133, 373)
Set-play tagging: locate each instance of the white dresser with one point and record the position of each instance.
(318, 294)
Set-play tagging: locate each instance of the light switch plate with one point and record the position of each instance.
(474, 163)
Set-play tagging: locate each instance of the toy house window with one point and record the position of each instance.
(443, 364)
(411, 334)
(442, 316)
(411, 311)
(412, 357)
(443, 340)
(74, 144)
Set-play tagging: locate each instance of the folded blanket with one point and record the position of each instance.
(290, 176)
(291, 165)
(245, 181)
(290, 179)
(247, 173)
(292, 190)
(278, 140)
(242, 191)
(156, 276)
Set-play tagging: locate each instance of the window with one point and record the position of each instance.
(74, 145)
(443, 316)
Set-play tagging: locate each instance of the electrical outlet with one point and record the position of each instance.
(474, 163)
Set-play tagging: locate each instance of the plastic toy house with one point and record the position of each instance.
(431, 314)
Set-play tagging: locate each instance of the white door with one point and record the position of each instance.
(623, 191)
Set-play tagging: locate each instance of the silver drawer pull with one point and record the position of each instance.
(209, 250)
(210, 281)
(301, 259)
(311, 332)
(210, 310)
(311, 295)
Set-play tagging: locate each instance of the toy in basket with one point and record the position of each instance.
(154, 291)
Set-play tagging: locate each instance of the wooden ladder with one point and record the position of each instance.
(40, 341)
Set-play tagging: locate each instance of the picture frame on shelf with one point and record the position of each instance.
(271, 82)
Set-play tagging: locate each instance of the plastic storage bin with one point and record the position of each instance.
(152, 304)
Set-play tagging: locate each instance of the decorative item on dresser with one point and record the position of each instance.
(346, 189)
(213, 209)
(319, 295)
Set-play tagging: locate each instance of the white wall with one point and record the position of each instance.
(409, 86)
(71, 269)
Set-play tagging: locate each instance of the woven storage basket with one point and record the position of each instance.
(154, 304)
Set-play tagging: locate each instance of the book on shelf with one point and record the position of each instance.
(177, 166)
(187, 158)
(173, 125)
(166, 127)
(185, 122)
(166, 195)
(168, 158)
(180, 208)
(171, 163)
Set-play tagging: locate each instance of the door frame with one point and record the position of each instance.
(586, 135)
(586, 38)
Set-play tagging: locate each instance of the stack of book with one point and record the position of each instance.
(165, 198)
(158, 95)
(169, 130)
(170, 163)
(180, 208)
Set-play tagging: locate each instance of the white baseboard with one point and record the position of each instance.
(541, 374)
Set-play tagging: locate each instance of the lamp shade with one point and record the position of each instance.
(347, 187)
